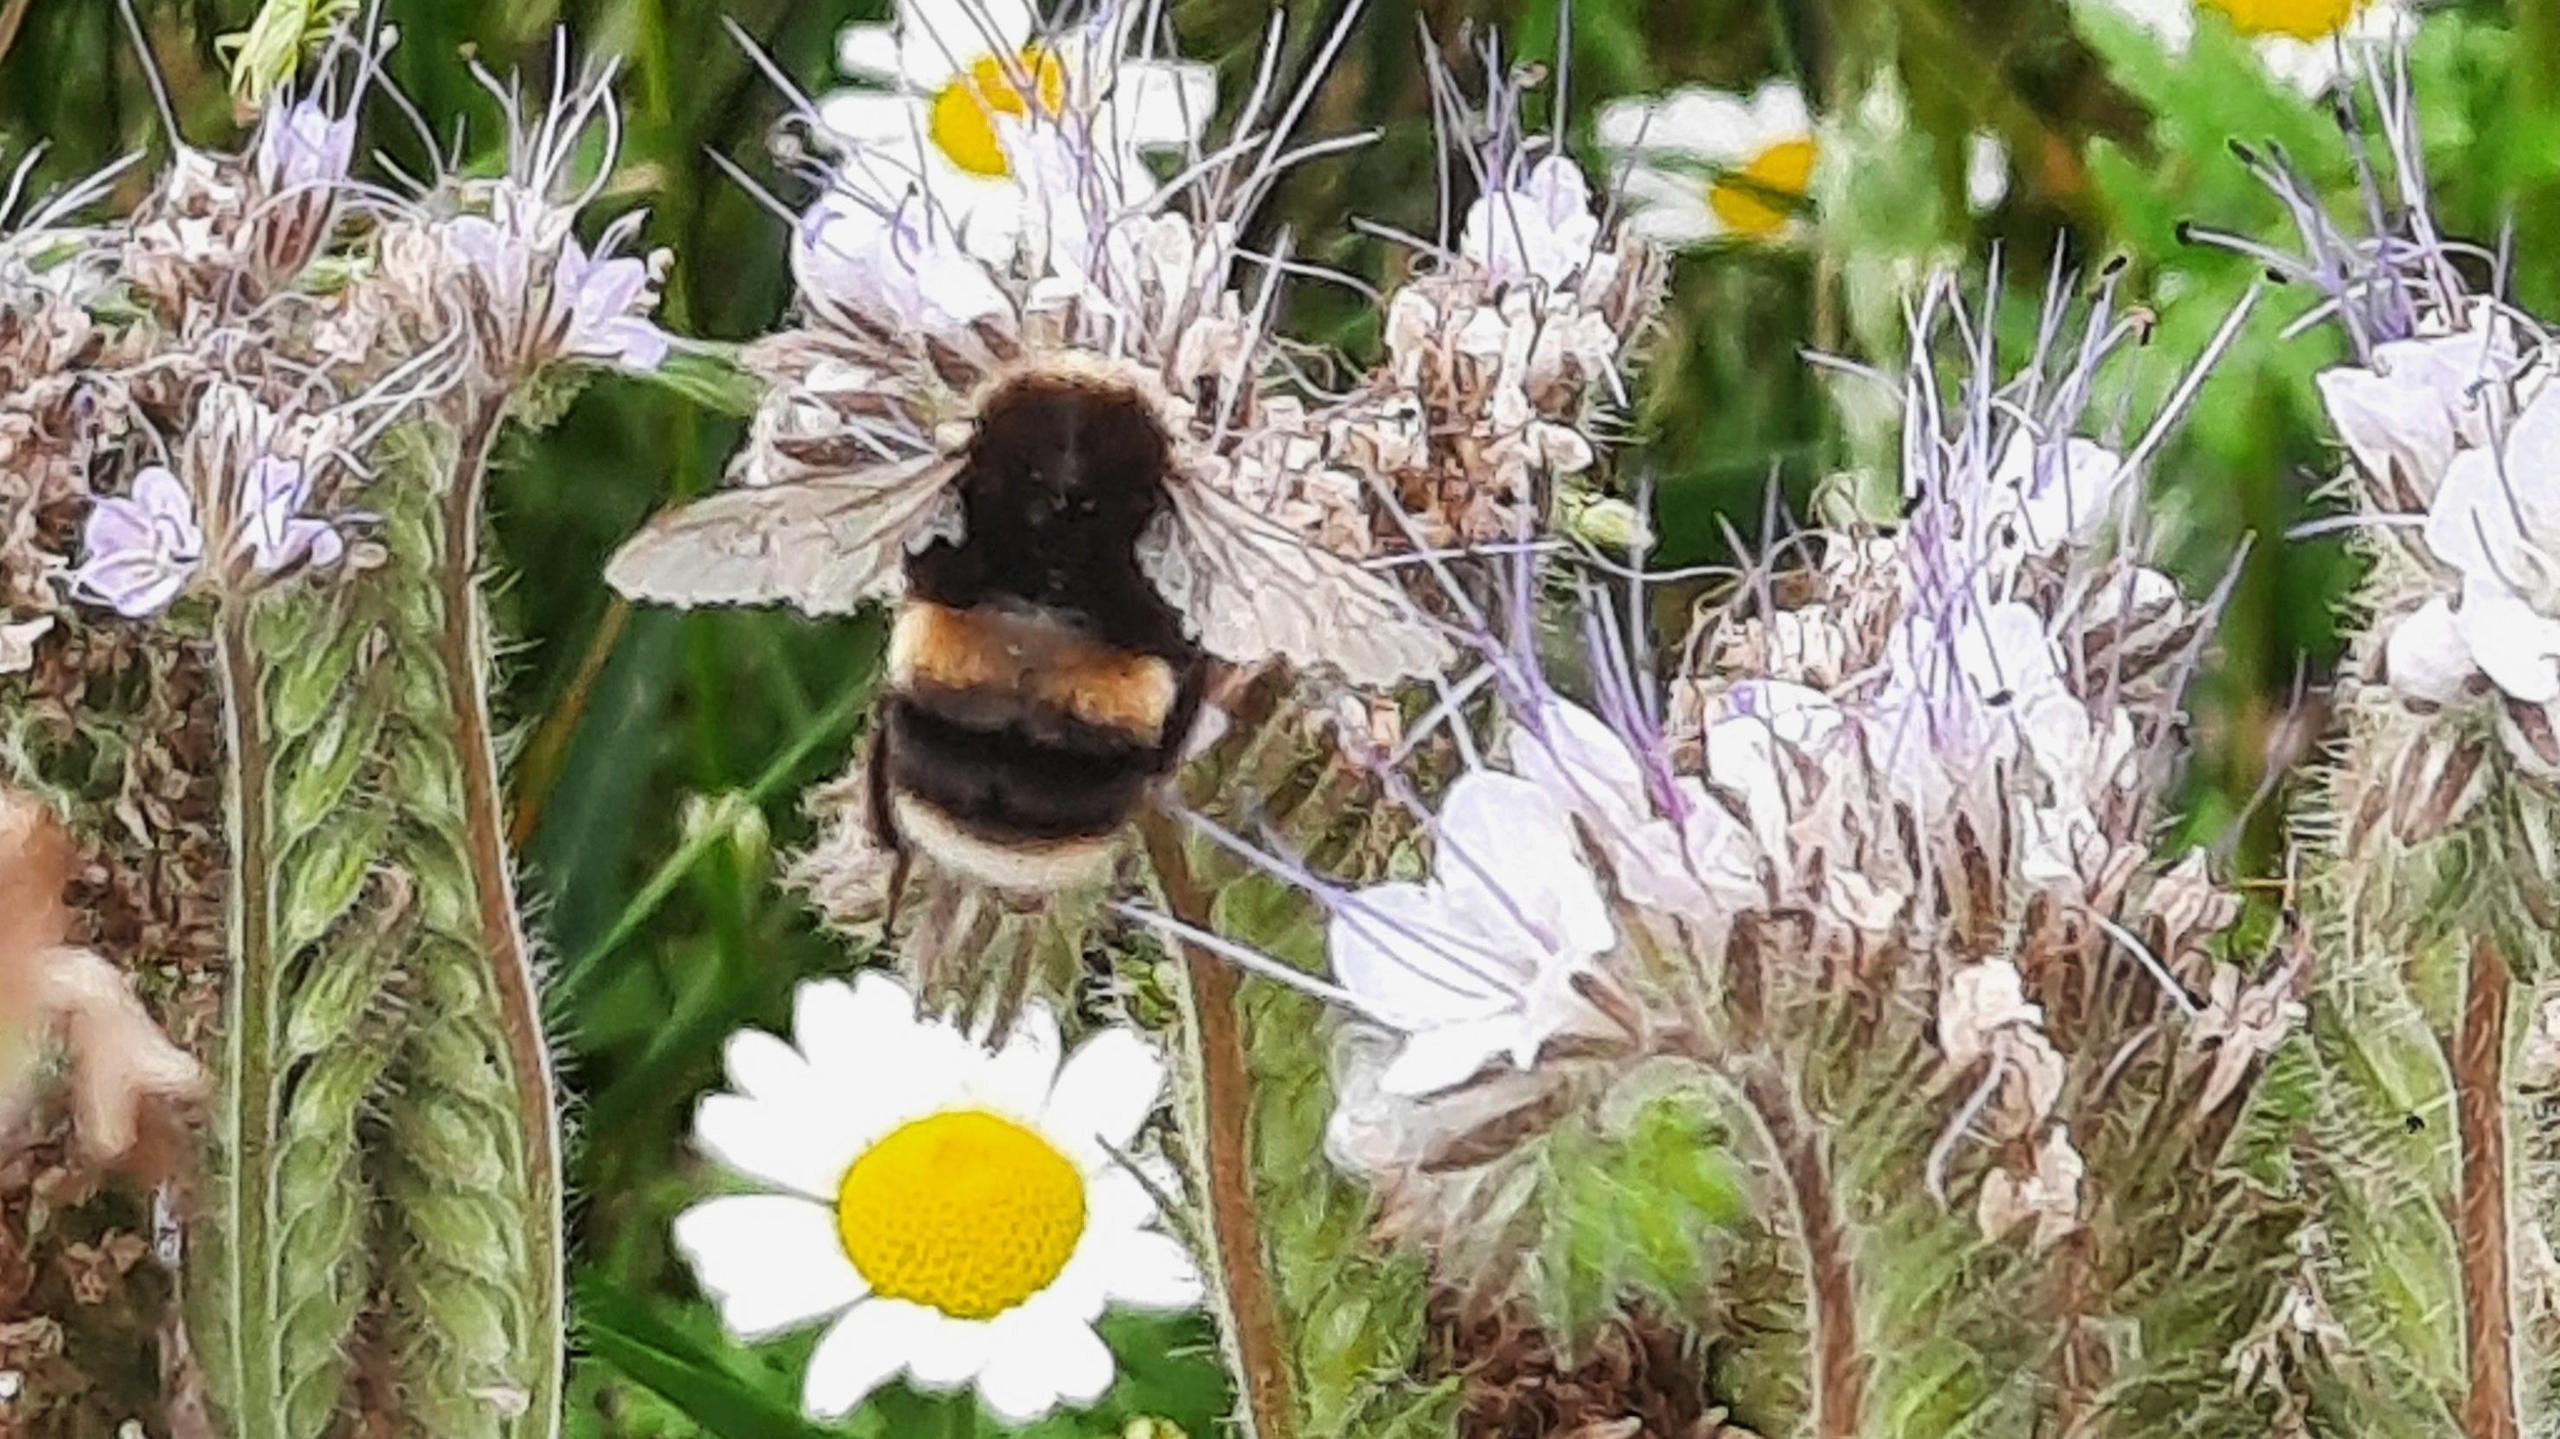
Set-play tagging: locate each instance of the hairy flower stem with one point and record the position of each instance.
(468, 663)
(243, 1362)
(2480, 1212)
(1221, 1135)
(1839, 1368)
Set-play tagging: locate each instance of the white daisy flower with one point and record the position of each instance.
(2307, 44)
(959, 84)
(954, 1215)
(1481, 960)
(1700, 164)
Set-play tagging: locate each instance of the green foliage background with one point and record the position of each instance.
(660, 754)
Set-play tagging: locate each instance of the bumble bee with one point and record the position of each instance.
(1065, 584)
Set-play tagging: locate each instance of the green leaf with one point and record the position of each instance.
(619, 1329)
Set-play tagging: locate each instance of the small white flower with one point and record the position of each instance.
(2044, 495)
(1541, 229)
(2421, 399)
(2303, 43)
(959, 86)
(954, 1215)
(2496, 521)
(1701, 164)
(901, 271)
(2424, 656)
(1691, 865)
(1480, 960)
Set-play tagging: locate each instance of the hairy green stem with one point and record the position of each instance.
(243, 1368)
(1221, 1137)
(464, 649)
(1839, 1375)
(2482, 1241)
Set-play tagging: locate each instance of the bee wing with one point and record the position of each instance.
(1250, 590)
(824, 545)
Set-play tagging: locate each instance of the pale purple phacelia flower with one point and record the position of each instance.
(139, 553)
(303, 146)
(273, 528)
(1541, 229)
(899, 271)
(605, 296)
(1481, 960)
(553, 299)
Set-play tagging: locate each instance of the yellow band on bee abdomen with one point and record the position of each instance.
(1034, 659)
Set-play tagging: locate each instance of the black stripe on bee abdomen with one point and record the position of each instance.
(1055, 779)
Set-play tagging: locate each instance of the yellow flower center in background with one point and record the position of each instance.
(965, 1212)
(1754, 199)
(2301, 19)
(965, 111)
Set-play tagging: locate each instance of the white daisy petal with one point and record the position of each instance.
(1670, 208)
(1016, 1082)
(874, 120)
(1106, 1090)
(773, 1142)
(763, 1067)
(945, 1351)
(1149, 1270)
(864, 1350)
(868, 52)
(770, 1262)
(1708, 124)
(937, 39)
(1163, 104)
(1115, 1199)
(1020, 1384)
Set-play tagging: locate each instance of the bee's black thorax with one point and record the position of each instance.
(1039, 684)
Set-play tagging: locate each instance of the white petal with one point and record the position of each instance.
(875, 119)
(1583, 764)
(2476, 522)
(1778, 115)
(1411, 963)
(1015, 1081)
(939, 38)
(2517, 647)
(770, 1262)
(788, 1145)
(1106, 1090)
(1162, 104)
(763, 1067)
(1449, 1055)
(2424, 656)
(865, 1349)
(1508, 859)
(1674, 218)
(1149, 1270)
(1707, 124)
(946, 1352)
(2390, 422)
(1019, 1384)
(868, 52)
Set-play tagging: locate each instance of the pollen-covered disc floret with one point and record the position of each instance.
(954, 1213)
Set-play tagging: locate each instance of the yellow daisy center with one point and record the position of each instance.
(963, 123)
(1756, 199)
(2301, 19)
(966, 1212)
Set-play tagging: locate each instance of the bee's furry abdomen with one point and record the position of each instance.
(1017, 744)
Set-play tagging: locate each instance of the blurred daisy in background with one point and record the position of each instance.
(2308, 44)
(1697, 165)
(954, 1214)
(952, 89)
